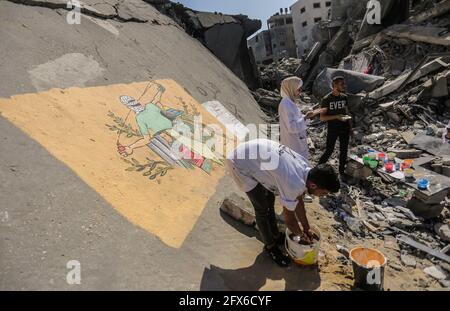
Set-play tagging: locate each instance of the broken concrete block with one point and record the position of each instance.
(393, 86)
(443, 230)
(427, 34)
(432, 145)
(394, 117)
(356, 82)
(357, 170)
(440, 88)
(388, 105)
(446, 170)
(239, 209)
(437, 168)
(407, 153)
(421, 209)
(408, 260)
(435, 198)
(395, 266)
(446, 161)
(436, 10)
(436, 272)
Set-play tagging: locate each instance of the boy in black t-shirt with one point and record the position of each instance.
(337, 115)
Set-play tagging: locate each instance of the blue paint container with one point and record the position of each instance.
(423, 184)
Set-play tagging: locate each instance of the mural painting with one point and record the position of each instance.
(138, 145)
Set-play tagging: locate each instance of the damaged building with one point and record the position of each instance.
(216, 30)
(398, 80)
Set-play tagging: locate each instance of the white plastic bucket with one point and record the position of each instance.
(305, 255)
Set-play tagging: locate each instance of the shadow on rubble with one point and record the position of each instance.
(254, 277)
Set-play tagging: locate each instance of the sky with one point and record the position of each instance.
(259, 9)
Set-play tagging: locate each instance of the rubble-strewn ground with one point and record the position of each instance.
(336, 270)
(408, 119)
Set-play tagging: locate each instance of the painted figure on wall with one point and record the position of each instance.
(168, 132)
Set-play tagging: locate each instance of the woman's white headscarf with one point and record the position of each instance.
(289, 86)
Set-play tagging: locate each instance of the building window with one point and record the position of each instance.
(289, 20)
(257, 38)
(317, 19)
(328, 4)
(304, 24)
(282, 44)
(274, 45)
(302, 10)
(316, 5)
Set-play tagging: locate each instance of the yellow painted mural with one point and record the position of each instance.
(132, 144)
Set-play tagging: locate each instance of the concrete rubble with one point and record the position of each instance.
(239, 209)
(216, 30)
(398, 77)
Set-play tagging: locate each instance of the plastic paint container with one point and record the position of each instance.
(373, 164)
(366, 159)
(381, 157)
(405, 166)
(423, 184)
(368, 268)
(409, 173)
(391, 156)
(305, 255)
(372, 155)
(389, 167)
(409, 162)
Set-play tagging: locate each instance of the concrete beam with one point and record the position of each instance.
(427, 34)
(439, 9)
(426, 69)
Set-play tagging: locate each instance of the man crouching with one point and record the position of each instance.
(263, 168)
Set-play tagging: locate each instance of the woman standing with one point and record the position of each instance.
(293, 123)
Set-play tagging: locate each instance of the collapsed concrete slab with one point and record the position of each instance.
(356, 82)
(424, 210)
(432, 145)
(437, 10)
(390, 87)
(427, 34)
(216, 31)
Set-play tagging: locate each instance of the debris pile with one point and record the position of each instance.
(216, 31)
(274, 73)
(398, 79)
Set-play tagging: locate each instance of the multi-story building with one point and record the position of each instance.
(282, 35)
(277, 42)
(261, 46)
(305, 15)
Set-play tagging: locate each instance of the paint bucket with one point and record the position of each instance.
(409, 173)
(391, 156)
(389, 167)
(368, 268)
(423, 184)
(373, 164)
(409, 163)
(372, 155)
(304, 255)
(381, 157)
(366, 159)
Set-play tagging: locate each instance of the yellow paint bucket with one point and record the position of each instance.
(305, 255)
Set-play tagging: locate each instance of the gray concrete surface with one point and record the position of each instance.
(49, 216)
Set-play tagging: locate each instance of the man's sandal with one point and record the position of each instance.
(277, 255)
